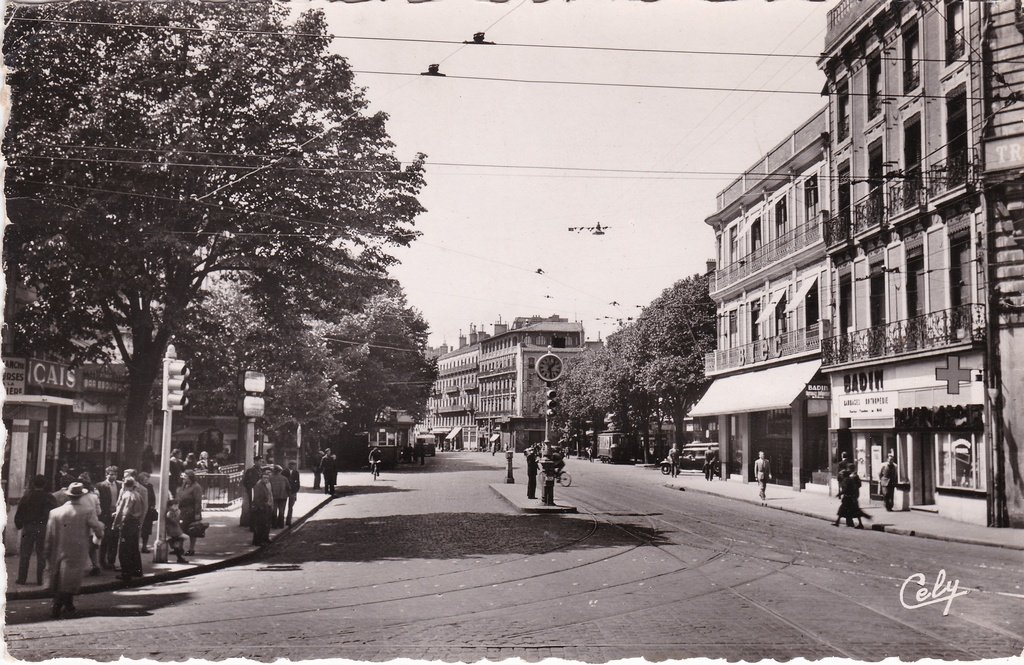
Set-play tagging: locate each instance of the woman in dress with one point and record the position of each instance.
(190, 502)
(849, 499)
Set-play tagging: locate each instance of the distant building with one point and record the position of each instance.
(452, 405)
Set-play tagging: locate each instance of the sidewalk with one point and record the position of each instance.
(812, 504)
(226, 543)
(516, 495)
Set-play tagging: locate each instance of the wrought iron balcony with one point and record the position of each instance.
(951, 172)
(454, 408)
(763, 350)
(905, 194)
(869, 212)
(937, 330)
(955, 47)
(911, 76)
(767, 254)
(837, 229)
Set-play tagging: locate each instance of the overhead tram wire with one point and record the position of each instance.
(414, 40)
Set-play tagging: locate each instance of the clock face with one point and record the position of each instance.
(549, 367)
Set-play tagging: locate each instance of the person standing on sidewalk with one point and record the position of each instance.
(294, 483)
(261, 509)
(887, 481)
(280, 487)
(673, 460)
(127, 520)
(151, 512)
(109, 491)
(91, 499)
(316, 469)
(531, 472)
(190, 500)
(762, 474)
(329, 468)
(31, 517)
(174, 470)
(68, 531)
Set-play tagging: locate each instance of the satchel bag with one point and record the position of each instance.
(197, 529)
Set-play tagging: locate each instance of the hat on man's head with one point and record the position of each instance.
(76, 490)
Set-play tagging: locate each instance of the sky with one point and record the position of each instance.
(644, 161)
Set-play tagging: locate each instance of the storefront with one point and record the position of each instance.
(781, 411)
(934, 428)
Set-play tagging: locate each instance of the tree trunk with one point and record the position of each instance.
(143, 373)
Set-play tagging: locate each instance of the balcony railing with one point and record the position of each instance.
(950, 173)
(838, 12)
(837, 229)
(454, 408)
(905, 194)
(911, 76)
(869, 212)
(955, 47)
(937, 330)
(767, 254)
(763, 350)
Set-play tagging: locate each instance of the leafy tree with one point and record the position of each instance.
(144, 160)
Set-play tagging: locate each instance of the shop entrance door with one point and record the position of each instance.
(924, 472)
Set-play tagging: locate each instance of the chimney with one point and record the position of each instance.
(473, 337)
(500, 328)
(712, 264)
(462, 340)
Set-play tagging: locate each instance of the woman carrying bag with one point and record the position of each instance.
(190, 501)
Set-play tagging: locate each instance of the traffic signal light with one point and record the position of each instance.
(552, 403)
(175, 384)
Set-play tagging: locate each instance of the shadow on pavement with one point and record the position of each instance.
(451, 535)
(139, 603)
(378, 487)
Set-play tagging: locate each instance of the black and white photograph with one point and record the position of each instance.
(513, 330)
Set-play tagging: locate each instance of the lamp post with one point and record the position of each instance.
(250, 407)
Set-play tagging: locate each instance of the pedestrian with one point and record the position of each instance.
(845, 464)
(64, 476)
(887, 477)
(31, 516)
(205, 465)
(190, 501)
(174, 470)
(294, 483)
(146, 459)
(762, 474)
(252, 476)
(329, 469)
(280, 487)
(316, 469)
(151, 512)
(418, 450)
(68, 529)
(374, 459)
(673, 460)
(175, 536)
(190, 462)
(140, 490)
(109, 491)
(127, 519)
(710, 464)
(849, 500)
(532, 465)
(262, 508)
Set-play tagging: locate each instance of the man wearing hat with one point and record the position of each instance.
(67, 546)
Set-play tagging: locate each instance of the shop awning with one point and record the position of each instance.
(39, 400)
(771, 388)
(768, 312)
(798, 299)
(495, 438)
(452, 434)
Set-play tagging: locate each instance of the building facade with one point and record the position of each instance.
(452, 405)
(906, 353)
(773, 300)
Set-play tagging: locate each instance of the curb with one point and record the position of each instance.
(883, 528)
(166, 576)
(533, 508)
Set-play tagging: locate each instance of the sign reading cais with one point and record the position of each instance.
(46, 374)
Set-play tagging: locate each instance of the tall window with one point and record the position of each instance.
(755, 314)
(956, 138)
(733, 329)
(811, 198)
(874, 86)
(875, 197)
(960, 271)
(844, 192)
(781, 317)
(876, 295)
(733, 246)
(954, 30)
(812, 308)
(843, 111)
(915, 283)
(845, 302)
(911, 58)
(912, 149)
(755, 235)
(781, 217)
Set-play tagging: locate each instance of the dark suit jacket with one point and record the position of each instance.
(108, 496)
(292, 475)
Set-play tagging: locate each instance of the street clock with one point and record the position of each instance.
(549, 367)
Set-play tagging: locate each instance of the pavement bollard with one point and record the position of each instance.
(509, 480)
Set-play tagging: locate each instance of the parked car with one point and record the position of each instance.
(692, 455)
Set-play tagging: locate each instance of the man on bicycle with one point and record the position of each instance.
(374, 459)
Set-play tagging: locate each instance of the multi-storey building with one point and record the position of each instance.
(452, 405)
(772, 293)
(1004, 191)
(906, 350)
(511, 393)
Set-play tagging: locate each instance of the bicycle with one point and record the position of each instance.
(375, 469)
(563, 478)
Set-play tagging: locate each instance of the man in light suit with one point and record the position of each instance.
(109, 491)
(762, 474)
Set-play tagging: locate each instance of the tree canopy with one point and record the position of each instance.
(145, 160)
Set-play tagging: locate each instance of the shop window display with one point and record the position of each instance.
(960, 465)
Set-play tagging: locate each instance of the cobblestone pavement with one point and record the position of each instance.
(428, 563)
